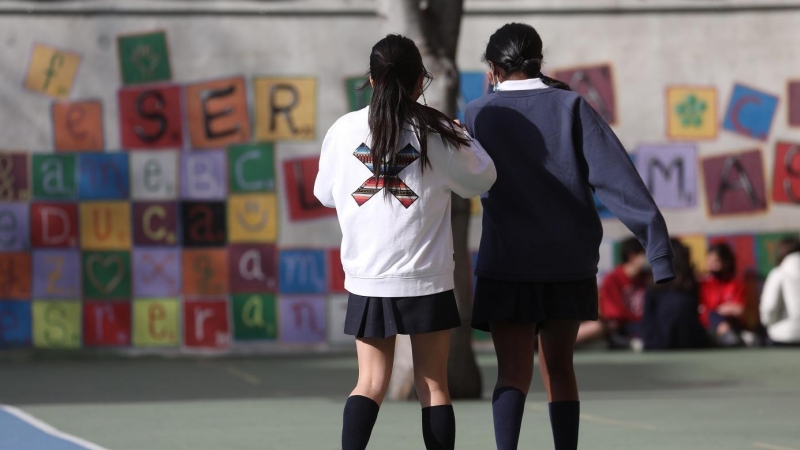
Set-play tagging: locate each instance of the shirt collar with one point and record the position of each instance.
(522, 85)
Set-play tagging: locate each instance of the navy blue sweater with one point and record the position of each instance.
(540, 223)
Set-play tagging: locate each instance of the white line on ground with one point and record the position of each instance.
(246, 376)
(48, 429)
(619, 423)
(771, 447)
(613, 422)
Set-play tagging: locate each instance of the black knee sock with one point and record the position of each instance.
(564, 419)
(439, 427)
(360, 414)
(508, 405)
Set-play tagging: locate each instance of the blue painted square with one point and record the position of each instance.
(15, 324)
(750, 112)
(302, 272)
(103, 176)
(474, 85)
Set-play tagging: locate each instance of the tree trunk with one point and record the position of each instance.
(435, 26)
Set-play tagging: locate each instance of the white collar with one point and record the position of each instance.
(522, 85)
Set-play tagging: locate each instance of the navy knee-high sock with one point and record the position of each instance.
(565, 418)
(360, 414)
(439, 427)
(508, 405)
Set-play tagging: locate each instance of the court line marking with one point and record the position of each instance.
(771, 447)
(244, 375)
(619, 423)
(49, 429)
(615, 422)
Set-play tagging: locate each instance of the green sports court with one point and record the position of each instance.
(739, 399)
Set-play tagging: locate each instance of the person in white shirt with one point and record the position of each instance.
(780, 300)
(389, 170)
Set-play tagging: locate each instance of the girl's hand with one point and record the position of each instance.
(460, 125)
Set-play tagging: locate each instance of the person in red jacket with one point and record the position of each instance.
(621, 299)
(722, 297)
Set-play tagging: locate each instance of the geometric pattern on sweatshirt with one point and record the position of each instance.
(388, 178)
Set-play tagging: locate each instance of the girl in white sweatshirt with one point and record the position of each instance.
(389, 170)
(780, 300)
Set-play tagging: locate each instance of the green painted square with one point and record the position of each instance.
(617, 253)
(251, 167)
(54, 177)
(106, 275)
(766, 246)
(255, 317)
(144, 58)
(359, 93)
(481, 336)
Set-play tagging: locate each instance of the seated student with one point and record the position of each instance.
(621, 300)
(722, 297)
(670, 310)
(780, 300)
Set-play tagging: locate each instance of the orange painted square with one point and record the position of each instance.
(205, 272)
(15, 276)
(222, 105)
(78, 126)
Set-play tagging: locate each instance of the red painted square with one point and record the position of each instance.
(54, 225)
(735, 183)
(335, 272)
(155, 223)
(253, 268)
(151, 117)
(106, 324)
(14, 179)
(794, 103)
(744, 247)
(205, 324)
(15, 276)
(300, 175)
(786, 187)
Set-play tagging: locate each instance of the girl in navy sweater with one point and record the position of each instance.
(389, 170)
(541, 231)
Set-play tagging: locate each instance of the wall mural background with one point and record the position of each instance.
(156, 184)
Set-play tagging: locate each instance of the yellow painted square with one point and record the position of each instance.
(105, 225)
(476, 208)
(698, 246)
(52, 71)
(57, 324)
(156, 322)
(692, 113)
(285, 108)
(252, 218)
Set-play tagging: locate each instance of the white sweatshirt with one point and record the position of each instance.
(400, 246)
(780, 301)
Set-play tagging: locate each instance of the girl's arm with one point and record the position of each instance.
(323, 186)
(470, 170)
(614, 178)
(771, 302)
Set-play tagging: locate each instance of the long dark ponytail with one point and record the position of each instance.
(396, 69)
(517, 47)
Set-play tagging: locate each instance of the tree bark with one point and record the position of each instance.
(435, 26)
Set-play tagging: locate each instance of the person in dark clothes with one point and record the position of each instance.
(540, 247)
(390, 170)
(621, 300)
(670, 311)
(723, 297)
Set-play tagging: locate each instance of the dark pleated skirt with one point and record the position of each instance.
(377, 317)
(521, 302)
